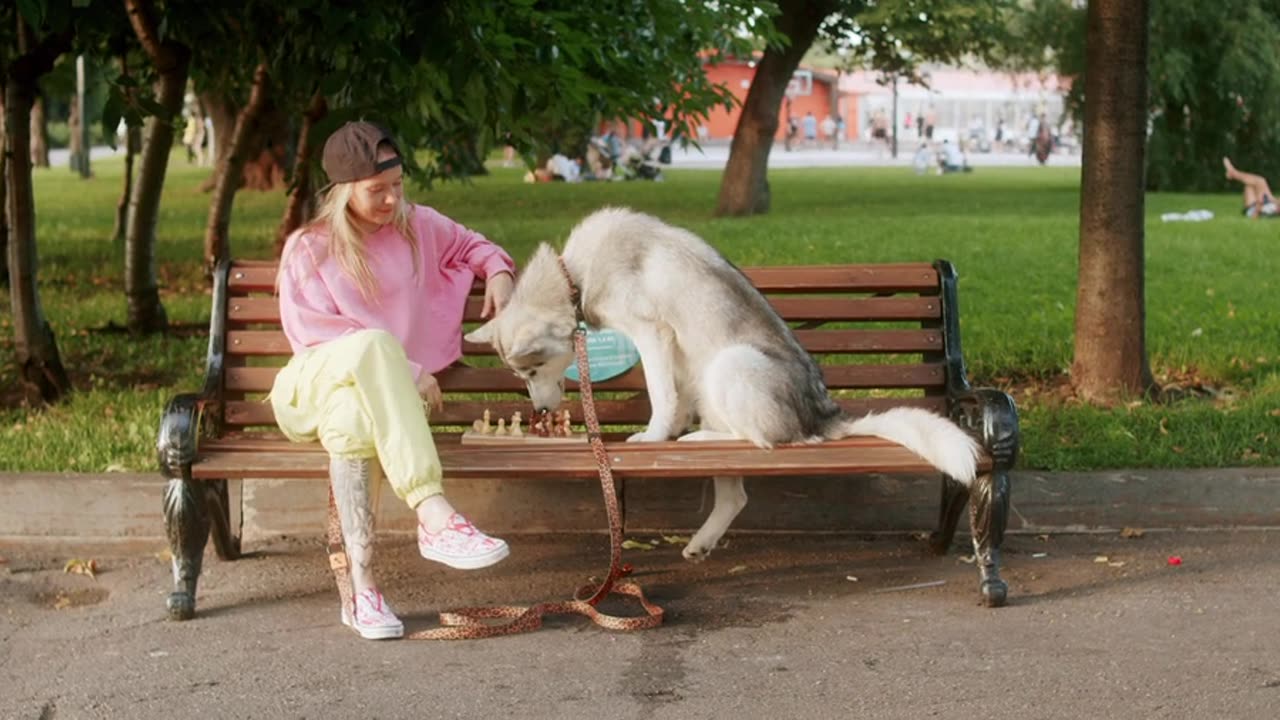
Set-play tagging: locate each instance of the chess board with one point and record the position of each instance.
(471, 437)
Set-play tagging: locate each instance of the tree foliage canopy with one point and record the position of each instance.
(1213, 88)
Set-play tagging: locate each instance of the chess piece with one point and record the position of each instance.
(486, 428)
(515, 425)
(565, 430)
(502, 427)
(477, 427)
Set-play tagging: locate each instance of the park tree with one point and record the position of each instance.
(456, 79)
(170, 60)
(890, 36)
(1110, 333)
(1213, 83)
(33, 37)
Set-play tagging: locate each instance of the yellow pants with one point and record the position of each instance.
(357, 396)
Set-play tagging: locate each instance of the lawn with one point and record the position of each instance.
(1012, 234)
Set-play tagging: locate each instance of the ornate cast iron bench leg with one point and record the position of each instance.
(988, 515)
(186, 523)
(954, 497)
(993, 418)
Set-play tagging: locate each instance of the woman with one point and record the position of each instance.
(371, 299)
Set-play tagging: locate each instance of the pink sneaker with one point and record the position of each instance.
(460, 545)
(374, 619)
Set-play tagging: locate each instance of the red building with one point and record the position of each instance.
(815, 91)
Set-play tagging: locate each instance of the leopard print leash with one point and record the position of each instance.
(472, 623)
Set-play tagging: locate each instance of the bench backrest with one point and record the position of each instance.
(879, 331)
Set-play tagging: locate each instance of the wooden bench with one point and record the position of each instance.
(885, 334)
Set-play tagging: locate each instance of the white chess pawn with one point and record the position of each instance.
(502, 427)
(515, 425)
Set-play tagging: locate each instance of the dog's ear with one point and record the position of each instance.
(481, 335)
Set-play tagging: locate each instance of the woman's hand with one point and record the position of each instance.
(429, 390)
(497, 291)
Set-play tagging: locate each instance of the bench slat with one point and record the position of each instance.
(667, 459)
(266, 343)
(481, 380)
(634, 411)
(266, 310)
(260, 277)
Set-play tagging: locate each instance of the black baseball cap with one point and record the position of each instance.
(351, 152)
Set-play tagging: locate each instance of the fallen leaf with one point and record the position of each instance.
(966, 559)
(76, 566)
(851, 578)
(1117, 563)
(1101, 559)
(62, 602)
(634, 545)
(1164, 426)
(1040, 555)
(165, 555)
(1132, 533)
(677, 539)
(737, 569)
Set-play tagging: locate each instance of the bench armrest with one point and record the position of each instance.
(991, 416)
(179, 436)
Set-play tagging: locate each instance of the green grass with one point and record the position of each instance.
(1213, 324)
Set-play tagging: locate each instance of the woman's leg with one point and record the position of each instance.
(1256, 189)
(368, 614)
(361, 389)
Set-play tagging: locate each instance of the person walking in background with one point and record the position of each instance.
(829, 130)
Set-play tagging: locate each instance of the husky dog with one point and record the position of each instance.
(711, 347)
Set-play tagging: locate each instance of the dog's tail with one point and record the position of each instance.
(927, 434)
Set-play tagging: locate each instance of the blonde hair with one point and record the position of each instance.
(346, 240)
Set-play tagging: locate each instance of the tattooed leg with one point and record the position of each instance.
(351, 479)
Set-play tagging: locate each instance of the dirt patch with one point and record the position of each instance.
(66, 598)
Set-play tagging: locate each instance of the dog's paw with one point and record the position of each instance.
(695, 552)
(647, 436)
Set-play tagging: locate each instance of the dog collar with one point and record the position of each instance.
(575, 295)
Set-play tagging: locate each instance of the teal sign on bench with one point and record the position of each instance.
(609, 354)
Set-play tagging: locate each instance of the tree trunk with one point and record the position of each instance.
(40, 370)
(1110, 335)
(39, 134)
(145, 312)
(222, 114)
(4, 198)
(229, 172)
(300, 205)
(75, 142)
(744, 188)
(132, 144)
(264, 149)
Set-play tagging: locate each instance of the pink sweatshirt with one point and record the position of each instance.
(318, 302)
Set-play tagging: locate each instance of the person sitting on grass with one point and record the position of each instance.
(1259, 202)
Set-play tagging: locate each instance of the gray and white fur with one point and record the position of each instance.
(711, 346)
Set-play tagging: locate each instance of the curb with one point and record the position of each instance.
(50, 510)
